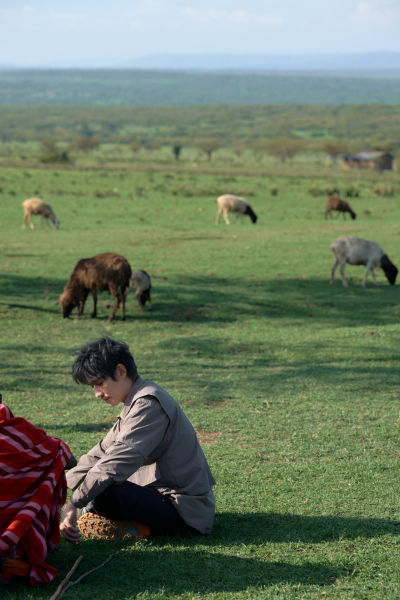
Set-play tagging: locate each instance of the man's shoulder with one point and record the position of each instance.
(148, 388)
(148, 401)
(152, 390)
(140, 406)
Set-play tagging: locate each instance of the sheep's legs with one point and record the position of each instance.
(373, 277)
(94, 313)
(24, 222)
(369, 269)
(80, 311)
(226, 217)
(30, 221)
(342, 266)
(218, 216)
(42, 222)
(115, 307)
(139, 299)
(123, 304)
(332, 282)
(123, 308)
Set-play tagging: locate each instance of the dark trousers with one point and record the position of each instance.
(131, 502)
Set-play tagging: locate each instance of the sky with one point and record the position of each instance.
(40, 32)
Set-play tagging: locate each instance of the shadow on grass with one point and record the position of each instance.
(174, 566)
(317, 361)
(203, 299)
(21, 255)
(28, 379)
(172, 572)
(25, 287)
(260, 528)
(77, 427)
(32, 307)
(17, 376)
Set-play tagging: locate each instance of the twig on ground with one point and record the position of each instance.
(68, 577)
(84, 575)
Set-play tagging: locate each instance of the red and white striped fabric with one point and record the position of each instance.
(33, 490)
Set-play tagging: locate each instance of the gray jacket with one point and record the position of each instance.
(152, 444)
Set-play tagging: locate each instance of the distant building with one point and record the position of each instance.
(382, 161)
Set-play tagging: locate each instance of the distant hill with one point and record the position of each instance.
(373, 61)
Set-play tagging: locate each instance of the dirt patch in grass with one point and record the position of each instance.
(207, 437)
(213, 404)
(186, 314)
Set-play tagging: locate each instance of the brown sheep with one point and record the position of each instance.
(106, 271)
(335, 203)
(35, 206)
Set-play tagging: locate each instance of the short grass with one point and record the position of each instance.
(292, 384)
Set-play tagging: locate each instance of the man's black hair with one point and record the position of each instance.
(99, 359)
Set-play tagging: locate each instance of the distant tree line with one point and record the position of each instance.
(283, 149)
(131, 88)
(236, 126)
(280, 131)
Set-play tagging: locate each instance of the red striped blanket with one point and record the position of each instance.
(33, 490)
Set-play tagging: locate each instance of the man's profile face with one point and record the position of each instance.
(110, 391)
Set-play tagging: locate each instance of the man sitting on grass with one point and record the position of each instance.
(149, 469)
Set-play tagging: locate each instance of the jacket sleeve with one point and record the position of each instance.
(76, 475)
(139, 436)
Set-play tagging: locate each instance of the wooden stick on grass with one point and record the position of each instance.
(68, 577)
(84, 575)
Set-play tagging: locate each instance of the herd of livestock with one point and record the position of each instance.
(112, 272)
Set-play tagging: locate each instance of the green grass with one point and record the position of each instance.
(292, 384)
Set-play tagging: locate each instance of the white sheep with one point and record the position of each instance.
(35, 206)
(234, 204)
(141, 281)
(355, 251)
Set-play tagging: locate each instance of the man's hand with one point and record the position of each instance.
(68, 527)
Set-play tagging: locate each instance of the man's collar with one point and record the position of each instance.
(137, 384)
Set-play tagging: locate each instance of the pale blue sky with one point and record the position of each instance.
(38, 32)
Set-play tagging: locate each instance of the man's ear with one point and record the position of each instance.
(121, 371)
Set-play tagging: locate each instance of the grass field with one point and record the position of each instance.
(291, 384)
